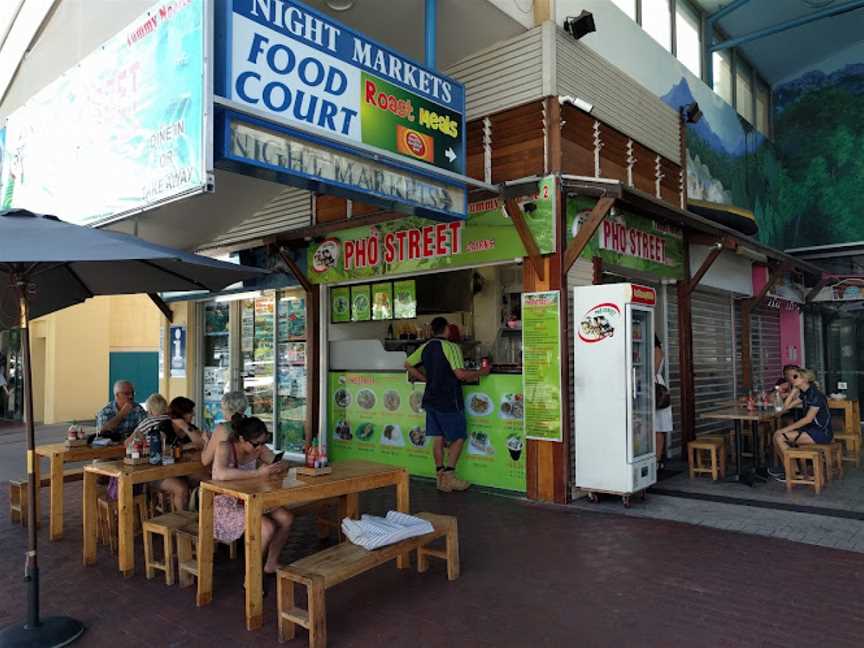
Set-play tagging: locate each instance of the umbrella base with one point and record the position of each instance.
(53, 632)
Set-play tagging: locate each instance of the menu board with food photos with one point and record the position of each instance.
(340, 304)
(361, 303)
(378, 416)
(405, 299)
(382, 301)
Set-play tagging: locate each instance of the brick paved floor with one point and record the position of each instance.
(532, 576)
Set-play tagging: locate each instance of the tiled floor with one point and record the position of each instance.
(533, 575)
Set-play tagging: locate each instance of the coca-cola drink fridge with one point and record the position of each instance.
(613, 389)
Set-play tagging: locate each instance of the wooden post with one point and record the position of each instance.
(586, 232)
(597, 270)
(685, 351)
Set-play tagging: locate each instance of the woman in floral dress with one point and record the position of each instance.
(238, 458)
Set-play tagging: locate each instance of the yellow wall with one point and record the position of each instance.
(72, 380)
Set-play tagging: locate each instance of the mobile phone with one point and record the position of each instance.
(278, 456)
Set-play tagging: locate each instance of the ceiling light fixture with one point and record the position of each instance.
(340, 5)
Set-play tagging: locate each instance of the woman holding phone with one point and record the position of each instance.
(813, 427)
(240, 457)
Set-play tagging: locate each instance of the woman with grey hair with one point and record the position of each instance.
(232, 403)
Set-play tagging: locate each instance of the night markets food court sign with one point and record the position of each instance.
(303, 69)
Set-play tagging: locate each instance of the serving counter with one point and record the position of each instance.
(377, 416)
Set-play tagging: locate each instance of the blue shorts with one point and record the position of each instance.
(818, 434)
(450, 425)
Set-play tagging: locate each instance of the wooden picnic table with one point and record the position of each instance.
(58, 455)
(739, 415)
(127, 477)
(348, 480)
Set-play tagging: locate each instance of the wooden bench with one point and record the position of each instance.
(18, 492)
(165, 525)
(802, 455)
(832, 458)
(327, 568)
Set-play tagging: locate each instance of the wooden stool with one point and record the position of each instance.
(160, 502)
(802, 456)
(187, 552)
(18, 501)
(716, 455)
(832, 458)
(106, 525)
(851, 444)
(166, 526)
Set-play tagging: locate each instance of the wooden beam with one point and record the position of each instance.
(685, 352)
(296, 271)
(518, 219)
(706, 265)
(586, 231)
(542, 11)
(164, 308)
(597, 270)
(823, 281)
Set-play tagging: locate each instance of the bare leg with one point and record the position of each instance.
(438, 450)
(179, 491)
(283, 520)
(660, 445)
(453, 452)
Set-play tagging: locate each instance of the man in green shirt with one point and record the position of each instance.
(443, 370)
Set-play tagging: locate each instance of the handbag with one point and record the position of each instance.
(662, 398)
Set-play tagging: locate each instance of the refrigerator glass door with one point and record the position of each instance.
(291, 371)
(217, 362)
(257, 321)
(641, 383)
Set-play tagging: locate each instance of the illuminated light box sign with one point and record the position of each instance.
(121, 131)
(294, 159)
(305, 69)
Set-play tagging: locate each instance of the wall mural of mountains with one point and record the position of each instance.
(819, 135)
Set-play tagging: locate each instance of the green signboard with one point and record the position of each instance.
(340, 304)
(378, 416)
(629, 241)
(361, 304)
(405, 299)
(415, 244)
(541, 358)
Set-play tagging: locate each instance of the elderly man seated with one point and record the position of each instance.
(122, 415)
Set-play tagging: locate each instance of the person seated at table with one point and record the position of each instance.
(159, 419)
(182, 411)
(122, 415)
(815, 424)
(232, 403)
(240, 457)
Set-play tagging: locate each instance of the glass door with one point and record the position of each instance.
(642, 385)
(217, 361)
(257, 355)
(291, 371)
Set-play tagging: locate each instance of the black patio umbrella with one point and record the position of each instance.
(46, 265)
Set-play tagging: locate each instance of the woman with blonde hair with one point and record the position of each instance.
(814, 426)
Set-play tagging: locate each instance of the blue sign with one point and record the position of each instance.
(305, 70)
(177, 351)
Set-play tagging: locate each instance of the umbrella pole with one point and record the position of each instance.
(53, 631)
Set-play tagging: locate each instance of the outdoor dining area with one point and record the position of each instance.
(241, 489)
(746, 452)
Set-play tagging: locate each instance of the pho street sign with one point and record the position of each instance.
(257, 148)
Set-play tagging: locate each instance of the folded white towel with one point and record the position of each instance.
(372, 532)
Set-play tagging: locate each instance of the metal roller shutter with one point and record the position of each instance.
(765, 350)
(713, 355)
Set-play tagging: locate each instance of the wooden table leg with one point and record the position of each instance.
(403, 505)
(351, 504)
(56, 525)
(254, 566)
(89, 514)
(126, 526)
(205, 547)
